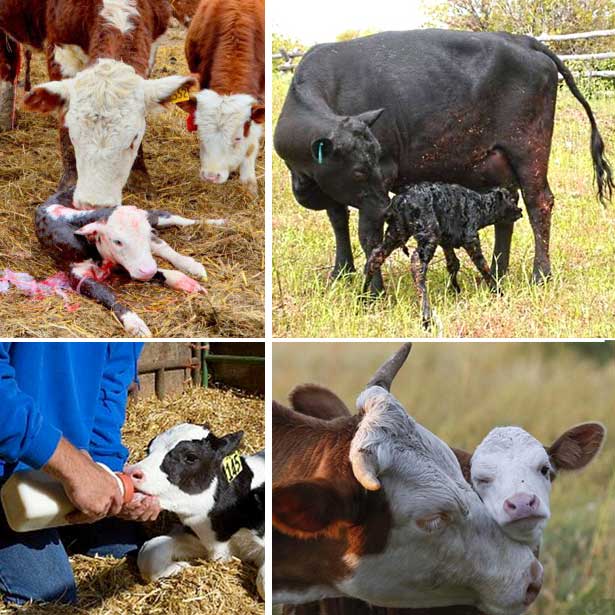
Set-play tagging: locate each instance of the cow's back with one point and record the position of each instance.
(225, 45)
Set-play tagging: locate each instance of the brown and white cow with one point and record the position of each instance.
(374, 506)
(225, 46)
(99, 53)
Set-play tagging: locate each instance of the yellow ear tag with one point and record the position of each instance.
(232, 466)
(180, 95)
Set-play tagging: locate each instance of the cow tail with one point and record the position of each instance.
(602, 169)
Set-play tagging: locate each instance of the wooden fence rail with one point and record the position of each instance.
(289, 56)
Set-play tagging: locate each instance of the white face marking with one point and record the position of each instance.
(511, 473)
(120, 14)
(220, 123)
(71, 59)
(105, 107)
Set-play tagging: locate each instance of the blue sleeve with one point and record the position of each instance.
(24, 434)
(119, 372)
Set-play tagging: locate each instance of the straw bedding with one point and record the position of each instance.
(233, 256)
(108, 586)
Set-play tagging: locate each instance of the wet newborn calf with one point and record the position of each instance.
(90, 244)
(441, 214)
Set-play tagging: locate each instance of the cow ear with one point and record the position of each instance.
(322, 149)
(465, 462)
(316, 401)
(306, 508)
(90, 231)
(369, 117)
(189, 106)
(575, 448)
(229, 443)
(173, 89)
(49, 96)
(257, 114)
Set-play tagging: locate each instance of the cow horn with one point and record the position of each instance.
(388, 370)
(363, 470)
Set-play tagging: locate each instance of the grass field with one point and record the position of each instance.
(460, 392)
(578, 302)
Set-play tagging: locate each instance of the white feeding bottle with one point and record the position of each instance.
(32, 500)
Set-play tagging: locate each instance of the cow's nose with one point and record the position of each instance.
(216, 178)
(146, 273)
(521, 505)
(533, 589)
(135, 473)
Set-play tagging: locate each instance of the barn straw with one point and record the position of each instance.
(108, 586)
(233, 256)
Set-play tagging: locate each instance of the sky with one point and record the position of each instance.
(317, 21)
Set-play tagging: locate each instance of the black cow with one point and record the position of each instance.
(371, 115)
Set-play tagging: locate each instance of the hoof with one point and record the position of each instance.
(541, 277)
(340, 272)
(135, 326)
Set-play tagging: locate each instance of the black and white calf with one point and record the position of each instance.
(218, 495)
(89, 244)
(441, 214)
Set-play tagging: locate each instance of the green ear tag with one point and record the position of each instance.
(232, 466)
(320, 152)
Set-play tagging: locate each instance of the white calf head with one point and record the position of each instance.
(512, 472)
(104, 109)
(229, 129)
(124, 238)
(182, 468)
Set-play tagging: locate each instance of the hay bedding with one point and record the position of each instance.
(233, 256)
(108, 586)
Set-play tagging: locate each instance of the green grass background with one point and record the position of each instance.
(578, 302)
(461, 391)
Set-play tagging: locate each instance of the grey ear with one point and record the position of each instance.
(230, 442)
(369, 117)
(322, 149)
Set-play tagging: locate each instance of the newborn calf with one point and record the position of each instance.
(441, 214)
(90, 244)
(218, 495)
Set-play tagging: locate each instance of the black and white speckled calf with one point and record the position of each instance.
(90, 244)
(447, 215)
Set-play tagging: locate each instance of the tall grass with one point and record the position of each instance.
(460, 392)
(578, 302)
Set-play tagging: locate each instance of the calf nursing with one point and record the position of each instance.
(441, 214)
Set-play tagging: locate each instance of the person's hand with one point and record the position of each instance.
(94, 491)
(141, 508)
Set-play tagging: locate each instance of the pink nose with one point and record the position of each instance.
(536, 577)
(135, 473)
(521, 505)
(216, 178)
(148, 272)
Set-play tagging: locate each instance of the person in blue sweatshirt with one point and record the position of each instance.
(62, 407)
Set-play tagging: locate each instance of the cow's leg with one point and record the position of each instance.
(178, 281)
(10, 56)
(377, 258)
(419, 262)
(501, 249)
(159, 218)
(247, 170)
(88, 287)
(472, 247)
(139, 180)
(184, 263)
(27, 69)
(164, 556)
(308, 193)
(539, 203)
(371, 223)
(452, 266)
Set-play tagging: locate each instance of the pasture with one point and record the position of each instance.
(579, 301)
(461, 391)
(108, 586)
(232, 255)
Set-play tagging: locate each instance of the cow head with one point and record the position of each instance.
(438, 546)
(124, 238)
(182, 466)
(229, 129)
(103, 107)
(346, 161)
(512, 472)
(506, 209)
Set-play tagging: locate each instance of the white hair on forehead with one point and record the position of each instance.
(119, 13)
(184, 431)
(106, 84)
(216, 112)
(504, 439)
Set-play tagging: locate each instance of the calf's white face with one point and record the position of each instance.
(181, 467)
(104, 109)
(512, 472)
(229, 129)
(124, 239)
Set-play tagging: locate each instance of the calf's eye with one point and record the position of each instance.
(360, 176)
(189, 458)
(545, 471)
(118, 243)
(483, 481)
